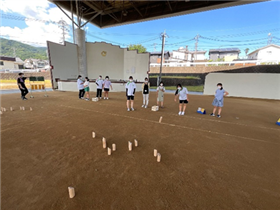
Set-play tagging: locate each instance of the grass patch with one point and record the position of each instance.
(198, 88)
(175, 77)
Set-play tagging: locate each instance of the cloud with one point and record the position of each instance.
(35, 32)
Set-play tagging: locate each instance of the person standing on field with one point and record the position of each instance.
(145, 92)
(99, 82)
(182, 92)
(218, 101)
(106, 85)
(160, 94)
(130, 91)
(86, 86)
(21, 85)
(80, 85)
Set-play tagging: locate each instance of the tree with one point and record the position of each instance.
(139, 47)
(246, 51)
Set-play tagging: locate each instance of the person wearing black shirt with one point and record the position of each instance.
(21, 85)
(145, 92)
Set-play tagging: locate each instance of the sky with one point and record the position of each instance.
(34, 22)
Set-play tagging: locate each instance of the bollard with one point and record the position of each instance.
(23, 108)
(30, 109)
(160, 119)
(20, 108)
(104, 143)
(135, 143)
(93, 134)
(158, 157)
(5, 109)
(129, 146)
(71, 191)
(114, 147)
(0, 112)
(155, 152)
(11, 108)
(109, 151)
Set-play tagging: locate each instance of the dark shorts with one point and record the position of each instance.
(130, 98)
(106, 89)
(184, 101)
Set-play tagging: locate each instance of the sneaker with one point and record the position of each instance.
(24, 99)
(107, 98)
(143, 105)
(146, 107)
(128, 110)
(179, 113)
(104, 98)
(100, 98)
(132, 109)
(82, 98)
(183, 113)
(213, 115)
(87, 99)
(219, 116)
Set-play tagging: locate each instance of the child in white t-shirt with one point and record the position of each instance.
(86, 87)
(130, 91)
(182, 92)
(99, 82)
(160, 94)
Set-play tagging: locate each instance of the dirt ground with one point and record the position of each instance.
(207, 163)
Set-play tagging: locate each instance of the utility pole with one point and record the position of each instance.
(163, 35)
(155, 44)
(64, 27)
(196, 43)
(14, 49)
(269, 39)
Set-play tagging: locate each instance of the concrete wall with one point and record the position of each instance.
(102, 59)
(249, 85)
(112, 64)
(64, 60)
(117, 87)
(136, 65)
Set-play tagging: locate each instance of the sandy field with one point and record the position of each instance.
(207, 163)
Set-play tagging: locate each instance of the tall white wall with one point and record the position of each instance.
(249, 85)
(64, 60)
(136, 65)
(112, 64)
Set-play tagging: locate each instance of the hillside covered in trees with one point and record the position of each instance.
(23, 51)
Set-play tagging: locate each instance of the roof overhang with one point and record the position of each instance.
(104, 14)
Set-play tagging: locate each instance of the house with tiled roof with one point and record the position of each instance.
(10, 63)
(227, 54)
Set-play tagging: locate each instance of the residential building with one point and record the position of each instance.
(227, 54)
(35, 63)
(10, 63)
(269, 52)
(155, 57)
(183, 54)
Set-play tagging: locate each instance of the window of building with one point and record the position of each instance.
(1, 63)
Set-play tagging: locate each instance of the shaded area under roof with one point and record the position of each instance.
(113, 13)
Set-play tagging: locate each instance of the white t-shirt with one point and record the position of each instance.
(80, 84)
(130, 86)
(86, 83)
(183, 94)
(99, 83)
(107, 84)
(161, 88)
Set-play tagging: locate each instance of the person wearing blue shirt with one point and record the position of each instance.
(219, 100)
